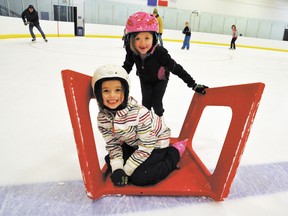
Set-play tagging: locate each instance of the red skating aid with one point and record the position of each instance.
(193, 179)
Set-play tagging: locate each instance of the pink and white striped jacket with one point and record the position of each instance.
(136, 126)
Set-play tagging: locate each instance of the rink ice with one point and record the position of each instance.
(40, 173)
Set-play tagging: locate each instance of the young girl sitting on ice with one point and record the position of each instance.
(136, 139)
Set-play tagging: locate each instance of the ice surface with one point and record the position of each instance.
(40, 172)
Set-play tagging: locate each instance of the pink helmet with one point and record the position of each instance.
(141, 22)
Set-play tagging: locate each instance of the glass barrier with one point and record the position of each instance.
(113, 13)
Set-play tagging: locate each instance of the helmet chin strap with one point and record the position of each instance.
(153, 48)
(113, 111)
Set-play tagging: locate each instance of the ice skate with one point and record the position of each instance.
(45, 39)
(180, 146)
(33, 39)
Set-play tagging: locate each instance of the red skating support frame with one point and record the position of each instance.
(193, 179)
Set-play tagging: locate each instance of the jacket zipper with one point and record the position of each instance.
(113, 117)
(142, 64)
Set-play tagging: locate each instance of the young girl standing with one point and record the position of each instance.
(234, 37)
(153, 62)
(136, 139)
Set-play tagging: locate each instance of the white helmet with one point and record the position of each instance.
(108, 72)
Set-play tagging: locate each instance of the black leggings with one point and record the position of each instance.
(152, 95)
(155, 168)
(232, 45)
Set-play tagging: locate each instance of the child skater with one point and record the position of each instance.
(234, 37)
(136, 139)
(153, 62)
(187, 32)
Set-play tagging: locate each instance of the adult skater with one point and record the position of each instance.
(30, 16)
(136, 139)
(152, 61)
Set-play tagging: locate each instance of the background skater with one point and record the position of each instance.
(187, 32)
(234, 37)
(30, 16)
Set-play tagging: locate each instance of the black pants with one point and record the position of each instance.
(39, 29)
(152, 95)
(232, 45)
(155, 168)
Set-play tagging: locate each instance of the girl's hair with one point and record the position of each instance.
(131, 42)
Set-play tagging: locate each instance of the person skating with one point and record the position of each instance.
(234, 37)
(187, 32)
(160, 23)
(30, 17)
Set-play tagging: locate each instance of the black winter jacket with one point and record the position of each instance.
(32, 18)
(186, 31)
(148, 69)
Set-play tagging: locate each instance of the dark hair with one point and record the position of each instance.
(98, 92)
